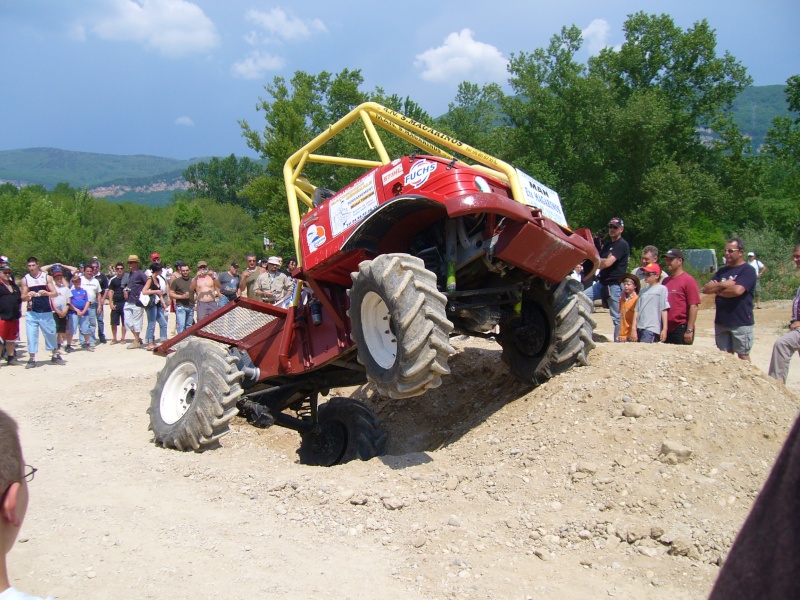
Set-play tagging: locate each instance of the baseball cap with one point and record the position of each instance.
(56, 269)
(673, 253)
(616, 221)
(201, 263)
(751, 254)
(234, 264)
(274, 260)
(654, 268)
(3, 259)
(155, 255)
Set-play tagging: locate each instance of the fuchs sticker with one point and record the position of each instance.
(419, 172)
(393, 174)
(315, 237)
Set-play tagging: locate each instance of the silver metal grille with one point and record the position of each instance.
(238, 323)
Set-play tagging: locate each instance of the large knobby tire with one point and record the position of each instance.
(349, 430)
(399, 325)
(195, 396)
(552, 334)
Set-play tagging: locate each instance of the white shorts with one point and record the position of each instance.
(134, 317)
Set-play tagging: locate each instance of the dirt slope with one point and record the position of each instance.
(492, 490)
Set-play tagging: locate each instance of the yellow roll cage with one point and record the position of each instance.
(298, 188)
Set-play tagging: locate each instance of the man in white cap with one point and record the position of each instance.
(273, 286)
(759, 267)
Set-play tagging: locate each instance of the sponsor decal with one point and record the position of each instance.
(315, 236)
(419, 172)
(540, 196)
(352, 204)
(392, 174)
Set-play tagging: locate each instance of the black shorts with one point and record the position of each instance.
(676, 336)
(61, 323)
(118, 315)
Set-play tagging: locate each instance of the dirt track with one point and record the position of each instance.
(494, 491)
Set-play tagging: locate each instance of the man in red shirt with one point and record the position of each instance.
(683, 295)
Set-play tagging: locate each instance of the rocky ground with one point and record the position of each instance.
(628, 478)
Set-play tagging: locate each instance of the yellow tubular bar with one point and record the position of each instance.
(370, 113)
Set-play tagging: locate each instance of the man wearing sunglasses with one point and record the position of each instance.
(614, 256)
(733, 287)
(14, 478)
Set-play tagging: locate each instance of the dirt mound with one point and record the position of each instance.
(643, 463)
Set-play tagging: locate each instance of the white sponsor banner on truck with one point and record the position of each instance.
(353, 204)
(538, 195)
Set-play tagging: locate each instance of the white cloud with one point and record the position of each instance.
(460, 58)
(596, 35)
(280, 26)
(184, 121)
(172, 27)
(256, 65)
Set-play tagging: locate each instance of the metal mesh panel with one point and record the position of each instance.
(238, 323)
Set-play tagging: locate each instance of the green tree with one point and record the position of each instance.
(223, 180)
(475, 117)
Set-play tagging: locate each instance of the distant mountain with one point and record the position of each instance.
(138, 178)
(153, 179)
(756, 107)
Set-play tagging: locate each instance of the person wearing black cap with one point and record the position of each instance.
(684, 300)
(614, 256)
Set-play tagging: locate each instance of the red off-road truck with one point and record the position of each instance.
(445, 240)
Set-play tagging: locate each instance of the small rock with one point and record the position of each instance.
(541, 554)
(681, 547)
(632, 409)
(680, 452)
(586, 467)
(393, 503)
(451, 483)
(419, 541)
(359, 500)
(454, 521)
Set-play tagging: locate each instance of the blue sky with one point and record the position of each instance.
(172, 77)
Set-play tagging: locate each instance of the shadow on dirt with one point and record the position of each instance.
(478, 386)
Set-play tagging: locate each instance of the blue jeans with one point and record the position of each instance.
(615, 291)
(91, 316)
(33, 323)
(101, 326)
(648, 337)
(184, 316)
(155, 313)
(223, 300)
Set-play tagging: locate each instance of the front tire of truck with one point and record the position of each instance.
(552, 334)
(348, 430)
(194, 399)
(399, 325)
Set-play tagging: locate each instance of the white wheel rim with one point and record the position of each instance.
(376, 327)
(178, 393)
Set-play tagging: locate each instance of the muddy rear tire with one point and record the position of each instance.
(195, 396)
(349, 430)
(551, 335)
(400, 325)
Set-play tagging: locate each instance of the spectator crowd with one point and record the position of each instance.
(647, 305)
(66, 304)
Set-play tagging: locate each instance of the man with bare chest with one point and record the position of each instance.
(206, 288)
